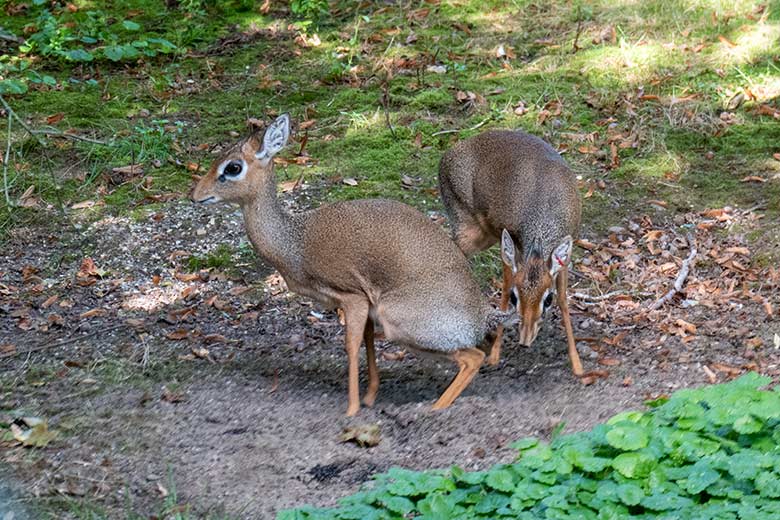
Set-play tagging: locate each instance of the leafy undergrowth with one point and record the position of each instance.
(675, 99)
(706, 453)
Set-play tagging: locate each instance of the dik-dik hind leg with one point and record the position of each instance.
(471, 238)
(356, 315)
(562, 284)
(469, 360)
(495, 349)
(373, 373)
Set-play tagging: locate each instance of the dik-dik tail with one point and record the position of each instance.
(497, 318)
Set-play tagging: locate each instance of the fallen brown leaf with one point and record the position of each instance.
(170, 396)
(55, 118)
(725, 40)
(49, 301)
(752, 178)
(711, 377)
(200, 352)
(177, 335)
(92, 313)
(394, 356)
(131, 169)
(365, 435)
(187, 277)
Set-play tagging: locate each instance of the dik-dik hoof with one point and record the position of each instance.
(352, 410)
(493, 359)
(368, 400)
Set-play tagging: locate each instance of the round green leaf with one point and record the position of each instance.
(130, 25)
(768, 484)
(114, 52)
(401, 505)
(630, 494)
(700, 478)
(78, 55)
(633, 465)
(502, 480)
(747, 424)
(12, 86)
(627, 437)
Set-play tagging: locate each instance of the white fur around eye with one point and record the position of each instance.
(544, 297)
(240, 176)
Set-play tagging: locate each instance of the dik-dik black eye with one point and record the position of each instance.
(233, 168)
(548, 300)
(513, 297)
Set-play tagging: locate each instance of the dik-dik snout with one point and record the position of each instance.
(533, 282)
(244, 168)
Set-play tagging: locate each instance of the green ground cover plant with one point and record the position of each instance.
(707, 453)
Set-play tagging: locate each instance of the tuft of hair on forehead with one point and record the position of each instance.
(534, 269)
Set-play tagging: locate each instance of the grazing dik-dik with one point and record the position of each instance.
(375, 259)
(513, 187)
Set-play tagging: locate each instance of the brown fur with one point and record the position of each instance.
(511, 180)
(375, 259)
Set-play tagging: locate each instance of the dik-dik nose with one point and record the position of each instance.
(528, 332)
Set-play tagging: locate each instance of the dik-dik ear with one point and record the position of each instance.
(508, 250)
(561, 256)
(275, 138)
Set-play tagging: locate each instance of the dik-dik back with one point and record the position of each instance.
(511, 186)
(515, 181)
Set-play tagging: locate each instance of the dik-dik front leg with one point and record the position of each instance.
(495, 349)
(562, 283)
(356, 315)
(469, 360)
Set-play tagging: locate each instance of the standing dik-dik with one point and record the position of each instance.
(513, 187)
(375, 259)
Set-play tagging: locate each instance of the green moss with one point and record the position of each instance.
(220, 258)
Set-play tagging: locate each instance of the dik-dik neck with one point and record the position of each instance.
(274, 233)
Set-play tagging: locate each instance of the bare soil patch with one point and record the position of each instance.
(236, 389)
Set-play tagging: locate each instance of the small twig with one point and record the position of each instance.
(65, 135)
(681, 276)
(13, 114)
(5, 163)
(753, 208)
(386, 100)
(588, 297)
(10, 37)
(575, 45)
(442, 132)
(53, 344)
(48, 132)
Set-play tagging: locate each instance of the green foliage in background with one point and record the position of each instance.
(705, 454)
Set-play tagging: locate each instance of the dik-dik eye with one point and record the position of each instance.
(513, 297)
(548, 300)
(232, 170)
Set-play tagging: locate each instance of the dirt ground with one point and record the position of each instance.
(240, 399)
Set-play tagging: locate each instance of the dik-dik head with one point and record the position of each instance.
(239, 173)
(533, 282)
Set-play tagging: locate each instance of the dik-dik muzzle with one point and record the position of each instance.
(533, 283)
